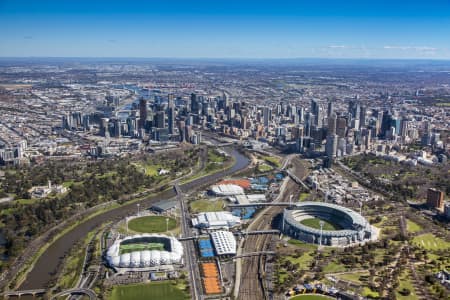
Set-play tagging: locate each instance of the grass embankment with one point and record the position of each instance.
(20, 277)
(166, 290)
(73, 264)
(152, 224)
(204, 205)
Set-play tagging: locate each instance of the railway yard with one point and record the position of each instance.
(255, 280)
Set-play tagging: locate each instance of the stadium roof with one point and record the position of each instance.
(224, 242)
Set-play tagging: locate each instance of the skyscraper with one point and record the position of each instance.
(160, 119)
(171, 119)
(331, 145)
(332, 124)
(143, 113)
(266, 116)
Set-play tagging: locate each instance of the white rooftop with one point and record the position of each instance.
(224, 242)
(227, 189)
(219, 219)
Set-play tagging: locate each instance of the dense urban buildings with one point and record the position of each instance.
(284, 172)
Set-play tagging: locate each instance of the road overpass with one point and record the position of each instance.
(19, 294)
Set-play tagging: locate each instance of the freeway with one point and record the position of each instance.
(48, 264)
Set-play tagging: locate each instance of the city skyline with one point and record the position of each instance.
(288, 29)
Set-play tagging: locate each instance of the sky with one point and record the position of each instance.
(226, 29)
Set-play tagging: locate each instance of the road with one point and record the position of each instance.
(48, 264)
(190, 255)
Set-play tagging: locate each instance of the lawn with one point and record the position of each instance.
(303, 196)
(310, 297)
(367, 292)
(333, 267)
(204, 205)
(274, 161)
(354, 276)
(151, 224)
(430, 242)
(315, 223)
(412, 227)
(302, 244)
(304, 260)
(158, 290)
(264, 168)
(215, 157)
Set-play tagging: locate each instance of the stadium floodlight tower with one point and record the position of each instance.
(290, 200)
(167, 224)
(138, 206)
(321, 223)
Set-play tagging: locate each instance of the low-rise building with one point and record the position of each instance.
(224, 242)
(216, 220)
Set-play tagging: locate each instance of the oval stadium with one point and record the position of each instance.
(341, 226)
(144, 251)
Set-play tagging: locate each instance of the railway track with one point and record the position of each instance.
(253, 277)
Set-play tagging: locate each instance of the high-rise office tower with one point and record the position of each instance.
(159, 119)
(171, 119)
(171, 100)
(330, 108)
(363, 116)
(266, 116)
(194, 104)
(143, 113)
(435, 199)
(314, 107)
(386, 123)
(331, 145)
(341, 127)
(332, 124)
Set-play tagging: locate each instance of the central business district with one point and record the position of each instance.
(140, 257)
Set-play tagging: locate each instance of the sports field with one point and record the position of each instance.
(310, 297)
(140, 247)
(158, 290)
(430, 242)
(204, 205)
(151, 224)
(315, 223)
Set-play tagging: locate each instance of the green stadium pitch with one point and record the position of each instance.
(315, 223)
(151, 224)
(141, 247)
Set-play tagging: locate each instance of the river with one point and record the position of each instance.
(49, 263)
